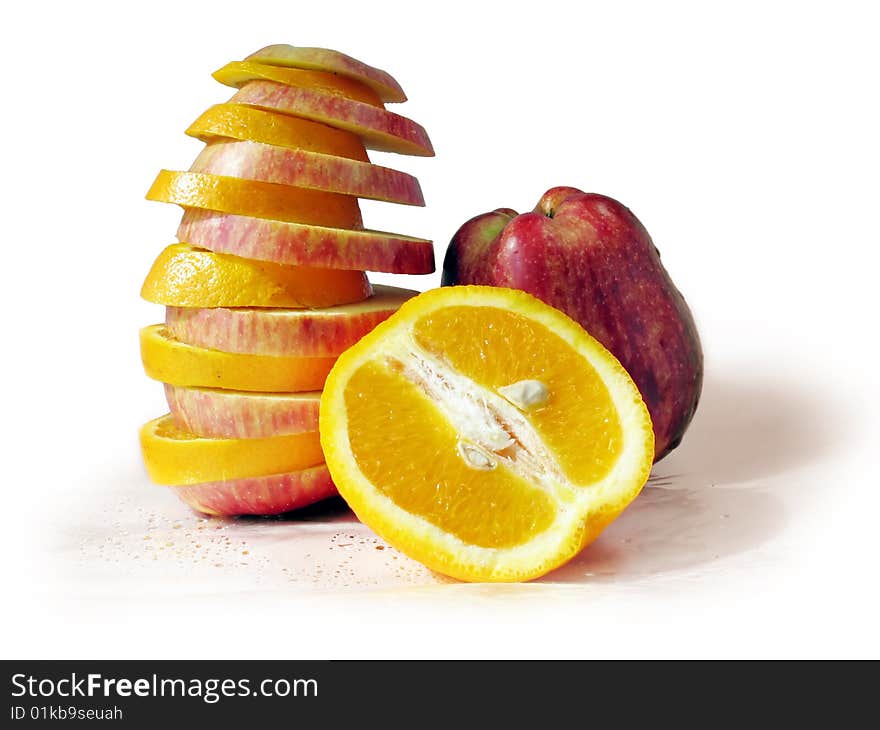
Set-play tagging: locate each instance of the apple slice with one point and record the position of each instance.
(236, 121)
(169, 361)
(283, 332)
(257, 198)
(238, 73)
(323, 59)
(230, 414)
(303, 245)
(378, 128)
(269, 495)
(175, 457)
(312, 170)
(185, 276)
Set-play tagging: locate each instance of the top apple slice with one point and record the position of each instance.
(324, 59)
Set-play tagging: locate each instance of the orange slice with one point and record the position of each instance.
(255, 198)
(169, 361)
(268, 495)
(484, 433)
(176, 457)
(323, 59)
(235, 121)
(238, 73)
(185, 276)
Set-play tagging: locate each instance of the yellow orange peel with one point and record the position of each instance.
(175, 457)
(186, 276)
(247, 123)
(170, 361)
(256, 198)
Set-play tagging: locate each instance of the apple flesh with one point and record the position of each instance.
(589, 256)
(267, 163)
(267, 495)
(284, 332)
(299, 244)
(378, 128)
(324, 59)
(214, 413)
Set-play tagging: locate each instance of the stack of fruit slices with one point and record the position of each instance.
(267, 286)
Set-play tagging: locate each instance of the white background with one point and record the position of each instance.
(744, 138)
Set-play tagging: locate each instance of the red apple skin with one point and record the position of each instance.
(268, 495)
(589, 256)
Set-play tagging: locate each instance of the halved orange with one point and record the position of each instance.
(484, 433)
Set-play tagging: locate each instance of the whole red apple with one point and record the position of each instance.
(589, 256)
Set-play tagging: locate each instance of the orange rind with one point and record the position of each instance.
(255, 198)
(246, 123)
(175, 457)
(170, 361)
(186, 276)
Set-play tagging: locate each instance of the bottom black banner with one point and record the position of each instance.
(413, 693)
(144, 693)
